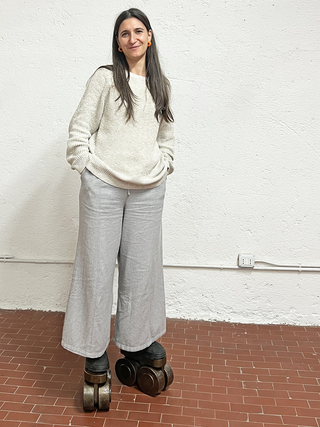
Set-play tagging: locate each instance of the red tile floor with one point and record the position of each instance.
(226, 375)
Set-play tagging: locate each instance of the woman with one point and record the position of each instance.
(121, 142)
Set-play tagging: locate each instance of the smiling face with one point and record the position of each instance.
(133, 39)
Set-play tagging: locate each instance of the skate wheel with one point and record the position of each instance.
(109, 381)
(94, 378)
(126, 370)
(104, 396)
(88, 396)
(150, 380)
(168, 375)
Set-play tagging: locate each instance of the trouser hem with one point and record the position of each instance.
(140, 347)
(81, 352)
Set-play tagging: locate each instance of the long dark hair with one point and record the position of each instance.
(157, 83)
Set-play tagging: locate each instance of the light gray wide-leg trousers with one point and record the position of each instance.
(114, 222)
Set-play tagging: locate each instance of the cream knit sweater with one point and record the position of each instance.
(133, 155)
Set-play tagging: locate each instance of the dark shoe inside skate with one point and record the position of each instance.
(98, 364)
(155, 351)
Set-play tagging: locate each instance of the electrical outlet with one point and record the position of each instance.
(246, 260)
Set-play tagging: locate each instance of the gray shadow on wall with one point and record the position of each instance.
(43, 225)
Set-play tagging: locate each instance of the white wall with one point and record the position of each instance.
(245, 76)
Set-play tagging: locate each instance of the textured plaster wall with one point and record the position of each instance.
(245, 77)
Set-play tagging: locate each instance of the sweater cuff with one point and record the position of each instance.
(80, 164)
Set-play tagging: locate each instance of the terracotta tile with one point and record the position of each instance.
(258, 400)
(314, 404)
(88, 422)
(311, 388)
(209, 422)
(12, 406)
(307, 373)
(113, 413)
(228, 383)
(179, 401)
(133, 406)
(244, 364)
(20, 382)
(32, 424)
(187, 372)
(77, 410)
(230, 398)
(46, 363)
(245, 424)
(243, 377)
(226, 369)
(148, 424)
(38, 356)
(269, 365)
(124, 397)
(221, 406)
(300, 421)
(11, 374)
(166, 409)
(262, 418)
(197, 353)
(279, 410)
(43, 376)
(244, 407)
(21, 360)
(30, 348)
(242, 392)
(203, 388)
(6, 365)
(31, 391)
(47, 409)
(30, 368)
(120, 423)
(42, 400)
(63, 420)
(212, 375)
(230, 415)
(273, 393)
(171, 392)
(188, 385)
(3, 414)
(66, 378)
(59, 393)
(308, 412)
(198, 396)
(296, 403)
(258, 385)
(198, 412)
(295, 379)
(22, 416)
(223, 373)
(10, 397)
(178, 419)
(198, 366)
(145, 416)
(161, 399)
(128, 390)
(5, 423)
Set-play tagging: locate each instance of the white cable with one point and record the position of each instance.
(274, 267)
(11, 259)
(284, 265)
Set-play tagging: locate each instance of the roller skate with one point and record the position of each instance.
(97, 384)
(147, 368)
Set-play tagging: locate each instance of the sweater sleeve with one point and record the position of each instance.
(165, 141)
(86, 121)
